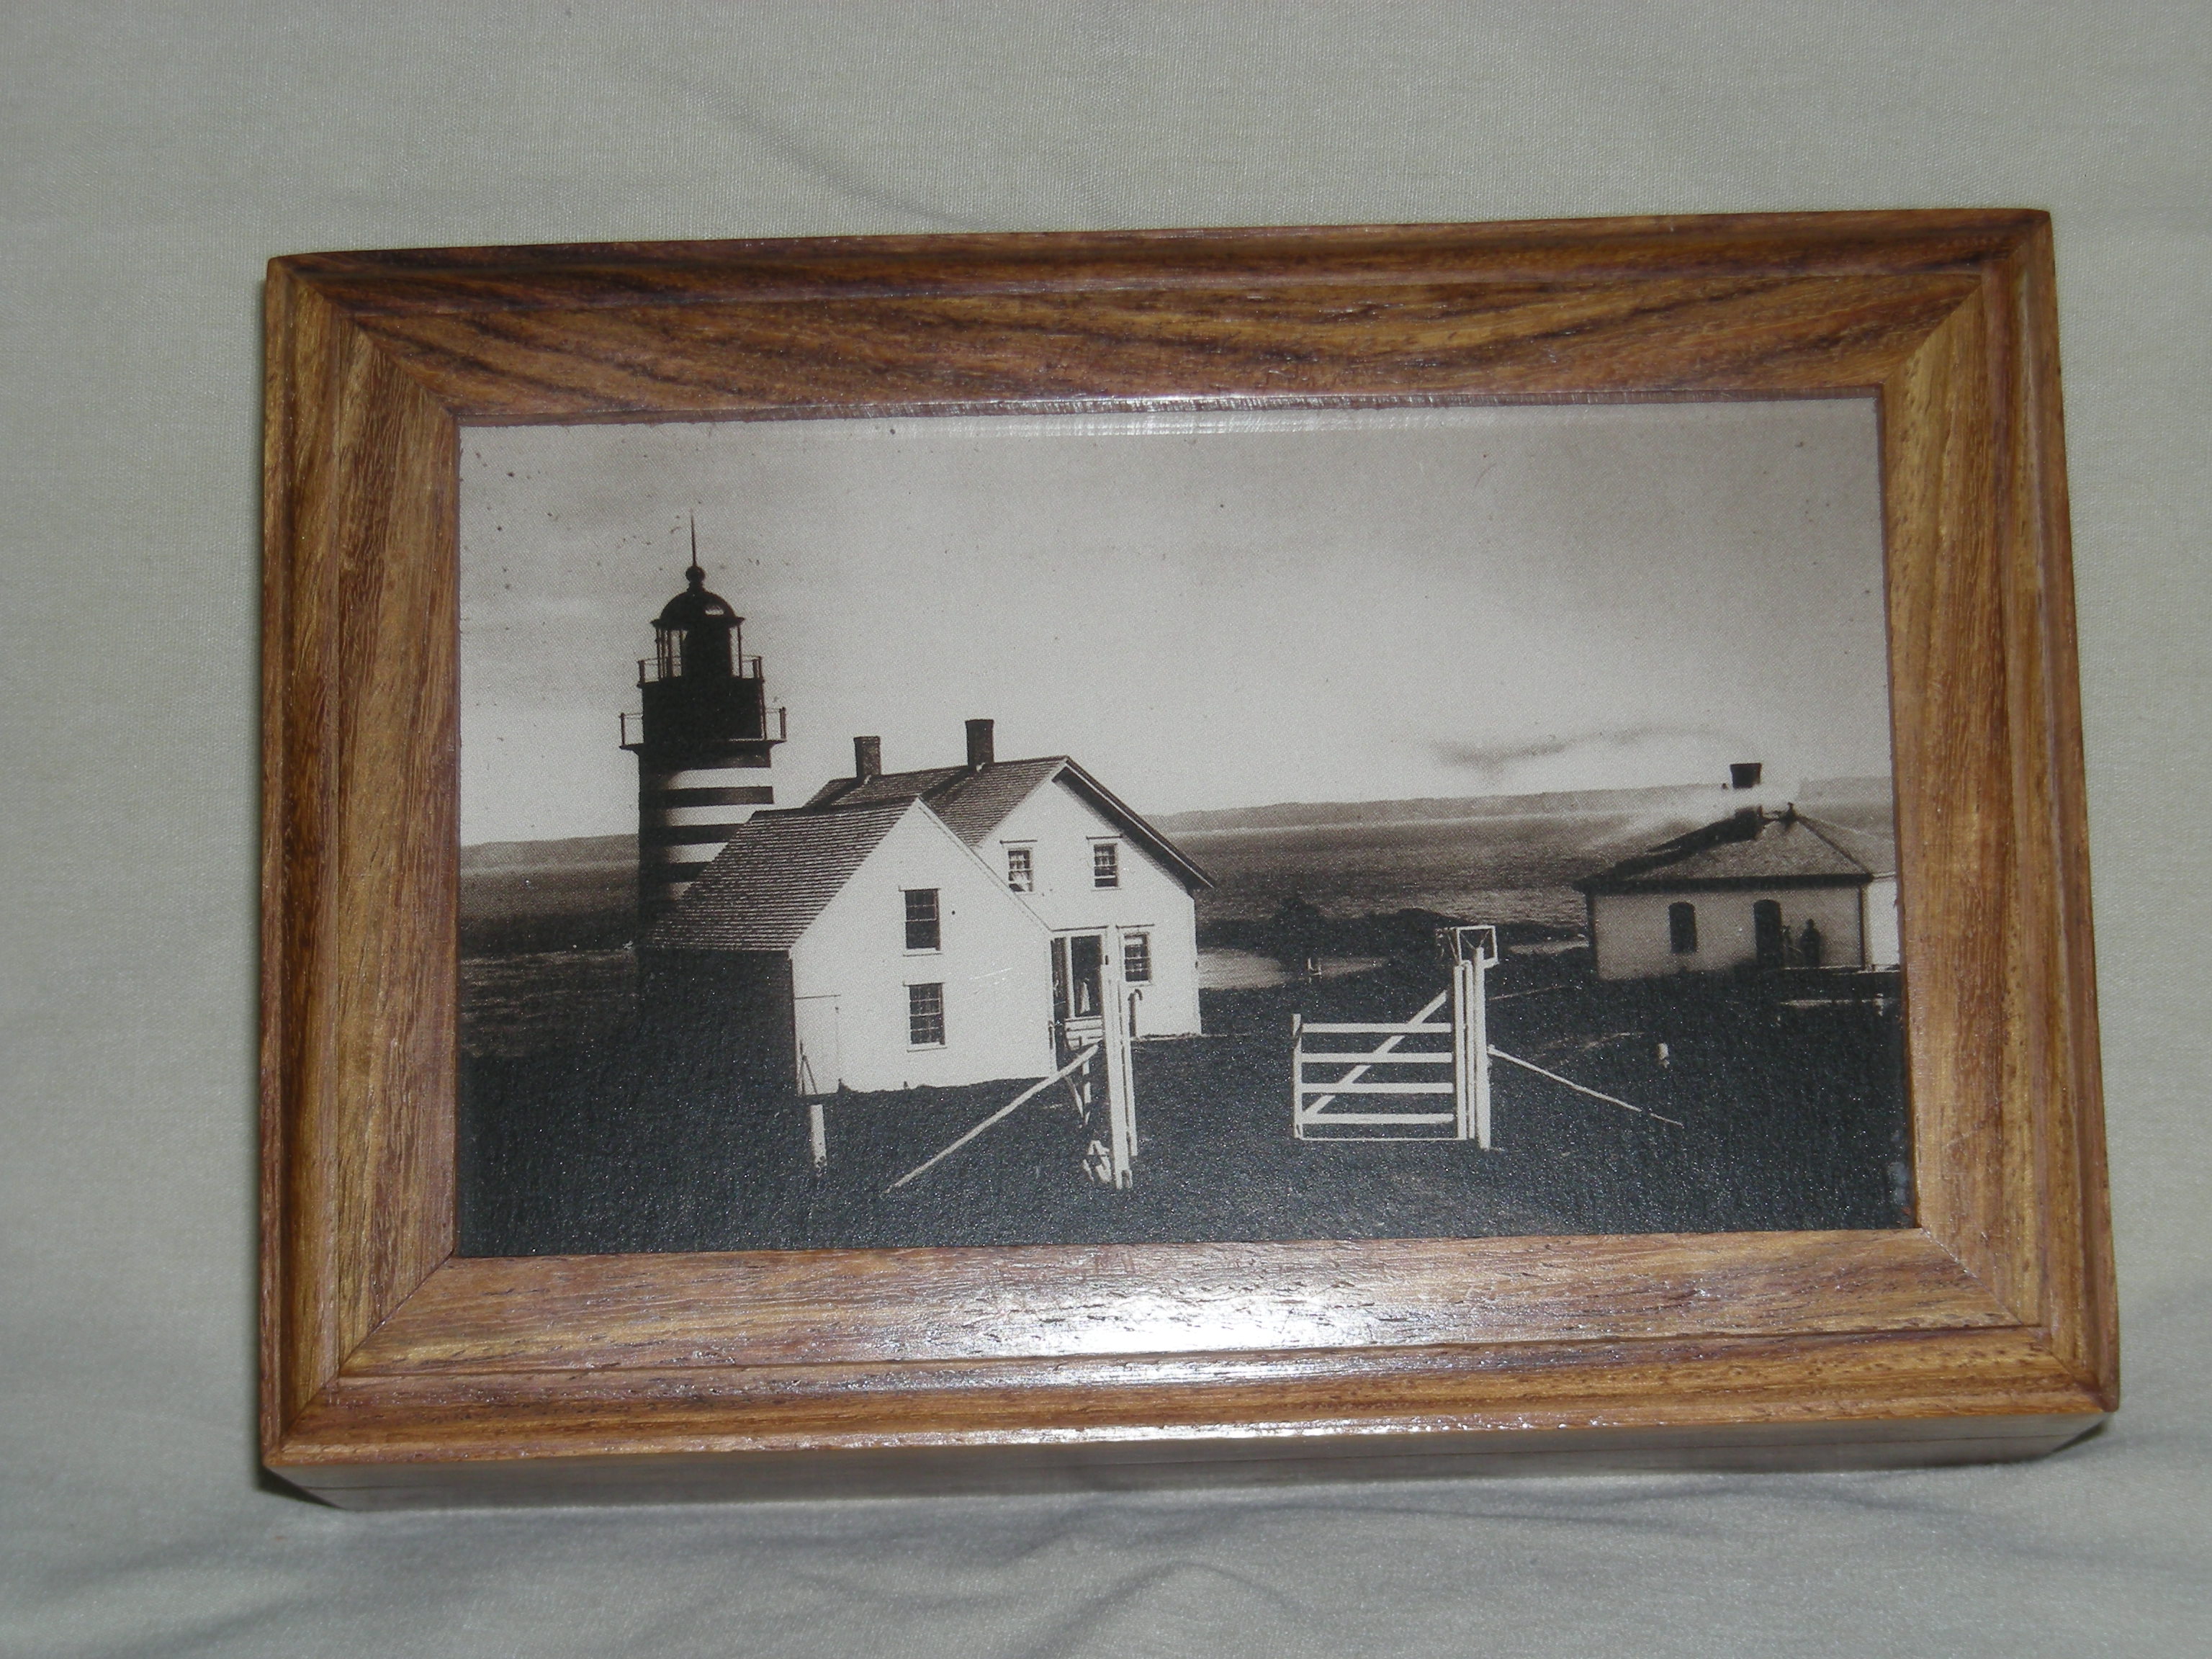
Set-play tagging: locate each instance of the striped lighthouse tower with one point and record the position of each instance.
(706, 732)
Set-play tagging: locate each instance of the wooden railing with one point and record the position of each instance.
(1312, 1097)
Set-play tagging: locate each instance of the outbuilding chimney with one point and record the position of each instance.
(980, 745)
(1745, 775)
(867, 758)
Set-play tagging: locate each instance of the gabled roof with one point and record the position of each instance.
(1751, 848)
(973, 801)
(778, 873)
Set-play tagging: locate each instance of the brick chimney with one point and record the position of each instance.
(867, 758)
(980, 745)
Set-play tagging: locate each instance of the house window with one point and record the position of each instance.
(1137, 959)
(1021, 872)
(925, 1015)
(1105, 864)
(1682, 929)
(923, 933)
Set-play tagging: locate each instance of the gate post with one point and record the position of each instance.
(1479, 1044)
(1462, 1020)
(1470, 1019)
(1114, 1060)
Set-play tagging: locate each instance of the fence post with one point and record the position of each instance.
(1478, 971)
(1462, 1014)
(1114, 1058)
(1297, 1078)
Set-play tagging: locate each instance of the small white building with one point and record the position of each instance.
(935, 928)
(1765, 888)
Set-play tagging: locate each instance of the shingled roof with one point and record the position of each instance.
(779, 871)
(1751, 848)
(973, 801)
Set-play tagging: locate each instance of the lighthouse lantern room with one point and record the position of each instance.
(705, 733)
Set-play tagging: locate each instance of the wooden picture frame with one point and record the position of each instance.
(393, 1371)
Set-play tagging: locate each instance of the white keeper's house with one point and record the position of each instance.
(1765, 887)
(934, 927)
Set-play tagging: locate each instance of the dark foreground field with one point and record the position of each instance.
(1790, 1109)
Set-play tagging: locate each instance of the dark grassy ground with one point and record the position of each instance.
(1791, 1110)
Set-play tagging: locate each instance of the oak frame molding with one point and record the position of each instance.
(392, 1371)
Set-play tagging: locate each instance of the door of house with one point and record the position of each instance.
(1090, 1011)
(1768, 937)
(1078, 989)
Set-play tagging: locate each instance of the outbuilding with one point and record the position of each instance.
(1762, 888)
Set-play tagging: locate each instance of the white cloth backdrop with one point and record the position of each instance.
(152, 156)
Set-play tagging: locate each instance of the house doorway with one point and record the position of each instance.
(1089, 1011)
(1078, 988)
(1768, 937)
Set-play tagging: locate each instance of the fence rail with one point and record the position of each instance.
(1376, 1059)
(1313, 1095)
(1465, 1063)
(1416, 1029)
(1474, 952)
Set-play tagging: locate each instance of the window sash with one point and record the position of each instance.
(1682, 929)
(1021, 870)
(1105, 864)
(925, 1015)
(922, 929)
(1137, 959)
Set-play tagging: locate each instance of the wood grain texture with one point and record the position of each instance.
(1949, 741)
(1080, 351)
(2081, 1312)
(359, 875)
(842, 1306)
(665, 1477)
(1707, 1380)
(394, 1372)
(1547, 252)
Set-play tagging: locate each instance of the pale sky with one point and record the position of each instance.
(1208, 610)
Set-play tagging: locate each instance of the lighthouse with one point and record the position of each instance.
(705, 735)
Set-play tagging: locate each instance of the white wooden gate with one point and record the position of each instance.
(1374, 1110)
(1474, 952)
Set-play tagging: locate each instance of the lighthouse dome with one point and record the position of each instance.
(696, 607)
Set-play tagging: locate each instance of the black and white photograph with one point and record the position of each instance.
(1417, 873)
(1198, 826)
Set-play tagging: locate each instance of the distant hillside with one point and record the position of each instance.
(536, 854)
(1488, 858)
(1668, 800)
(1693, 800)
(1483, 858)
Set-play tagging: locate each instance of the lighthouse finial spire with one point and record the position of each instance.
(695, 575)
